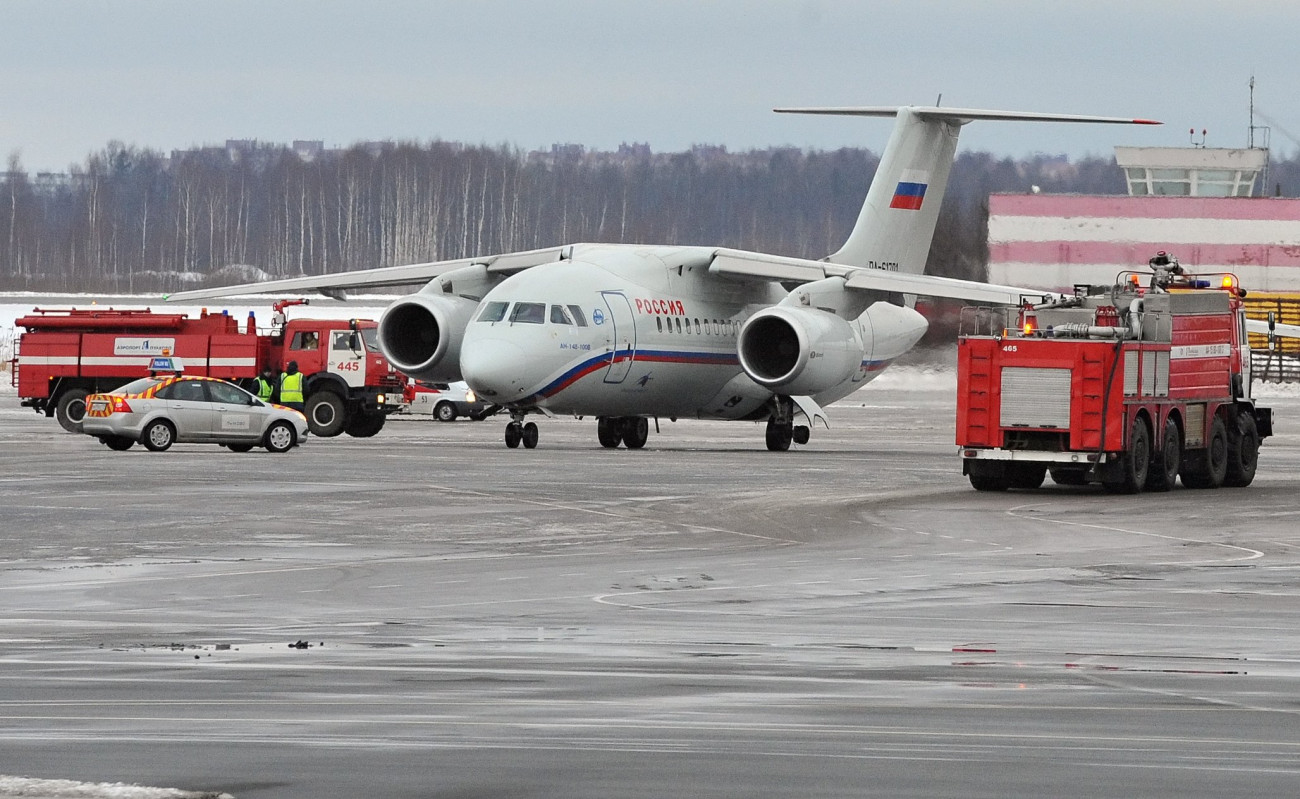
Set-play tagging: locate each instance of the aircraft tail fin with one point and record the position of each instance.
(897, 221)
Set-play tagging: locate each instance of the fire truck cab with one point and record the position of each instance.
(1132, 386)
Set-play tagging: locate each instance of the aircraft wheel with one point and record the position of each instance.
(529, 436)
(779, 436)
(636, 431)
(609, 431)
(514, 435)
(802, 434)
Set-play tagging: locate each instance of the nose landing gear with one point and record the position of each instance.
(517, 432)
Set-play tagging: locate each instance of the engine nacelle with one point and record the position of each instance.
(420, 335)
(798, 351)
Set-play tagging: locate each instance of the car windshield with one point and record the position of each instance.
(138, 386)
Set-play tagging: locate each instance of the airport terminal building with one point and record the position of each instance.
(1196, 203)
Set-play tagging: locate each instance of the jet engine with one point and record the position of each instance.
(798, 351)
(420, 334)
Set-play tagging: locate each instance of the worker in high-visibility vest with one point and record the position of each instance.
(266, 384)
(291, 387)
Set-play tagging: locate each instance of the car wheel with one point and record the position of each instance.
(159, 435)
(280, 437)
(117, 443)
(239, 447)
(71, 410)
(325, 414)
(445, 412)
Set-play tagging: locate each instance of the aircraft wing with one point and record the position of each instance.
(757, 266)
(410, 274)
(1262, 327)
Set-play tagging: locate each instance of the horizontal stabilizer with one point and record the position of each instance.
(964, 115)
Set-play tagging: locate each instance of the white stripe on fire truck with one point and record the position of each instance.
(1201, 351)
(47, 360)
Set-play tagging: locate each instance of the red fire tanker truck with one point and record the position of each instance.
(1132, 386)
(65, 355)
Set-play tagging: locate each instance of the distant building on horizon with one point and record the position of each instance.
(1196, 203)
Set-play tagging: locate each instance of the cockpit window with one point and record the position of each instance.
(532, 313)
(493, 312)
(559, 316)
(578, 315)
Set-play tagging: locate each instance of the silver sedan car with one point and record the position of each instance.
(161, 411)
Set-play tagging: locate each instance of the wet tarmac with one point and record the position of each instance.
(429, 614)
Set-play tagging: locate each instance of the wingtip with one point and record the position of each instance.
(1147, 122)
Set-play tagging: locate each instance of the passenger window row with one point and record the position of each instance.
(706, 327)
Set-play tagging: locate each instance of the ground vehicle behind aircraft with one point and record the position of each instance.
(65, 355)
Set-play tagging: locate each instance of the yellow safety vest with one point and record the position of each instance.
(291, 387)
(264, 389)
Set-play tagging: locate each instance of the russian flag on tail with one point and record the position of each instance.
(910, 192)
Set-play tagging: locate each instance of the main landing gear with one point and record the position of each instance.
(633, 431)
(781, 429)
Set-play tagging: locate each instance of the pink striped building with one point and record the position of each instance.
(1056, 241)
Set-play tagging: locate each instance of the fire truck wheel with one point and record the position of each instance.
(366, 425)
(1134, 463)
(1163, 472)
(1025, 475)
(445, 412)
(1243, 452)
(609, 432)
(990, 476)
(1208, 467)
(325, 414)
(158, 436)
(280, 437)
(71, 410)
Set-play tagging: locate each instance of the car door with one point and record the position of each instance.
(235, 419)
(188, 408)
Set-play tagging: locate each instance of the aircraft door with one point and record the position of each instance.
(623, 335)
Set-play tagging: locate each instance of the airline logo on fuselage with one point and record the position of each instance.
(661, 307)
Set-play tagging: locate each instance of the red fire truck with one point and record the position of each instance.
(1131, 386)
(65, 355)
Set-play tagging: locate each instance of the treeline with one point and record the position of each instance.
(130, 220)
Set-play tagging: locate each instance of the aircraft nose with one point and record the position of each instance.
(496, 370)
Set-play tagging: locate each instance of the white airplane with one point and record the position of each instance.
(626, 333)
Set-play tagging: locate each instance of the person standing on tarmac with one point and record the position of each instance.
(291, 387)
(266, 385)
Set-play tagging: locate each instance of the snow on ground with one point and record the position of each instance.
(15, 787)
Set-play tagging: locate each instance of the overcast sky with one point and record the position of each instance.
(75, 74)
